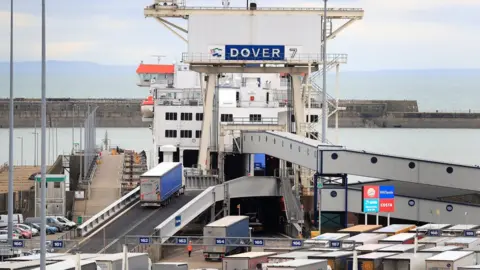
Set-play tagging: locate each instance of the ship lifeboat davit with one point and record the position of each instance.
(147, 107)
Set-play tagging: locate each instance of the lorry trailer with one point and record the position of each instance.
(217, 235)
(160, 184)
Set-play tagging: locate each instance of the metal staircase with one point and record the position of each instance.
(293, 207)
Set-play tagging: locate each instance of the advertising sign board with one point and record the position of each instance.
(254, 52)
(376, 199)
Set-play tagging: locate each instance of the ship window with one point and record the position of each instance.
(186, 116)
(313, 118)
(255, 118)
(171, 116)
(185, 134)
(292, 118)
(226, 118)
(199, 116)
(170, 133)
(198, 133)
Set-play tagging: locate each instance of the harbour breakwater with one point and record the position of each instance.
(124, 113)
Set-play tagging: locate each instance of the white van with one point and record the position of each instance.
(17, 219)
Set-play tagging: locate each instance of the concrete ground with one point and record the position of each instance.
(105, 188)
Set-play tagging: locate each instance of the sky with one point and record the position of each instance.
(394, 34)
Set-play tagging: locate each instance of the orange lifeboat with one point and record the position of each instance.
(147, 107)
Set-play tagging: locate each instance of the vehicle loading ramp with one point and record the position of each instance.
(137, 221)
(336, 160)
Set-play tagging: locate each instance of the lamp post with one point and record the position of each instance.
(10, 147)
(35, 147)
(324, 87)
(43, 193)
(21, 149)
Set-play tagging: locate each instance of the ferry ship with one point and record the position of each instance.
(174, 107)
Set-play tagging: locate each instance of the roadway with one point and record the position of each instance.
(136, 221)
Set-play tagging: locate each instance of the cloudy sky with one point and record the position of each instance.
(395, 34)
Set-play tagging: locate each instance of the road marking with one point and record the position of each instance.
(105, 225)
(131, 228)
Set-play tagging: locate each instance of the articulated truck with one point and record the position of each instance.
(159, 185)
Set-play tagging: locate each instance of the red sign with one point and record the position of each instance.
(370, 192)
(387, 205)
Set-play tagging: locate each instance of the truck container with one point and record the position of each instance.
(323, 239)
(469, 267)
(431, 226)
(170, 266)
(365, 238)
(458, 230)
(371, 248)
(476, 250)
(372, 260)
(160, 184)
(401, 238)
(72, 265)
(217, 234)
(396, 229)
(358, 229)
(296, 255)
(247, 260)
(300, 264)
(282, 250)
(401, 248)
(136, 261)
(463, 242)
(450, 260)
(431, 241)
(21, 265)
(337, 260)
(406, 261)
(440, 249)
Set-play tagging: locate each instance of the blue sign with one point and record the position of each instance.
(255, 52)
(434, 233)
(144, 240)
(297, 243)
(178, 221)
(258, 242)
(182, 241)
(18, 244)
(469, 233)
(220, 241)
(387, 192)
(370, 205)
(335, 244)
(57, 244)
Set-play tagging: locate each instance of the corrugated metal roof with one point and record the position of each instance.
(161, 169)
(450, 256)
(155, 69)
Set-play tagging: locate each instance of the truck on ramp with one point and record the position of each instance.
(160, 184)
(216, 236)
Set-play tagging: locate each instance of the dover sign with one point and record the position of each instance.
(254, 52)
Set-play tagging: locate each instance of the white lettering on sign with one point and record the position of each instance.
(386, 204)
(255, 52)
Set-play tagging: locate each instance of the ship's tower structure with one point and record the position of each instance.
(255, 39)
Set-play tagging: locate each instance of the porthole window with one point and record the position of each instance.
(411, 203)
(333, 193)
(449, 170)
(334, 156)
(411, 165)
(449, 208)
(374, 160)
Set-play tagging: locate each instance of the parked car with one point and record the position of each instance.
(34, 231)
(49, 229)
(25, 234)
(68, 223)
(50, 222)
(4, 235)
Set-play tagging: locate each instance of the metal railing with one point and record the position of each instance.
(252, 121)
(299, 58)
(111, 210)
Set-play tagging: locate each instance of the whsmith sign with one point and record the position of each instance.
(254, 52)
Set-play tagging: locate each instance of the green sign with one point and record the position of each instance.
(319, 185)
(51, 177)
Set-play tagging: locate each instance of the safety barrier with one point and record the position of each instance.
(111, 210)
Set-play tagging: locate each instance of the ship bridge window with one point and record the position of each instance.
(199, 116)
(185, 134)
(198, 134)
(292, 118)
(186, 116)
(255, 118)
(170, 133)
(226, 118)
(172, 116)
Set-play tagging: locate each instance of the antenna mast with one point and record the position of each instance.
(159, 57)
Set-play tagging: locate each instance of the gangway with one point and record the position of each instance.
(337, 160)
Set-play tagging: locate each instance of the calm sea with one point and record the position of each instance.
(450, 145)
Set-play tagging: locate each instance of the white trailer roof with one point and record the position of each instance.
(399, 237)
(440, 249)
(251, 255)
(450, 256)
(67, 264)
(227, 221)
(295, 263)
(410, 256)
(431, 226)
(68, 256)
(366, 236)
(400, 248)
(116, 256)
(462, 227)
(433, 239)
(331, 236)
(296, 254)
(395, 228)
(462, 240)
(372, 247)
(470, 267)
(161, 169)
(375, 255)
(335, 254)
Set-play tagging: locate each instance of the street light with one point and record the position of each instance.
(35, 147)
(21, 156)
